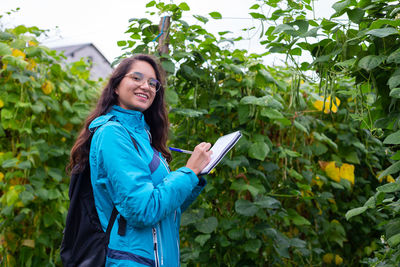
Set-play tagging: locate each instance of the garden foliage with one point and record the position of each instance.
(42, 104)
(312, 182)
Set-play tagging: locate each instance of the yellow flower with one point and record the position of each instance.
(338, 260)
(332, 171)
(347, 172)
(63, 139)
(319, 104)
(47, 87)
(32, 43)
(327, 258)
(1, 103)
(317, 181)
(32, 64)
(18, 53)
(1, 176)
(390, 179)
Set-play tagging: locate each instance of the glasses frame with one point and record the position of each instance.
(140, 83)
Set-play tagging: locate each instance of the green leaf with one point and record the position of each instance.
(202, 239)
(395, 93)
(370, 203)
(394, 57)
(341, 6)
(10, 163)
(394, 240)
(392, 169)
(257, 15)
(394, 80)
(297, 219)
(384, 32)
(354, 212)
(389, 188)
(259, 150)
(356, 15)
(299, 126)
(207, 225)
(393, 139)
(380, 22)
(252, 245)
(271, 113)
(171, 96)
(245, 207)
(168, 66)
(151, 3)
(255, 6)
(371, 62)
(215, 15)
(56, 174)
(184, 6)
(201, 18)
(4, 49)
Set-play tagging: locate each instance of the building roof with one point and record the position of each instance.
(71, 49)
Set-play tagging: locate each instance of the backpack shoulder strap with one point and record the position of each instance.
(113, 216)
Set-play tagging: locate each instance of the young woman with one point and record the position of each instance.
(129, 167)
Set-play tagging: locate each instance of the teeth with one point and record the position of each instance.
(142, 95)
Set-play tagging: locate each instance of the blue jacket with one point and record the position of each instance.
(142, 188)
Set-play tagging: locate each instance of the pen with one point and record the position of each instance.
(180, 150)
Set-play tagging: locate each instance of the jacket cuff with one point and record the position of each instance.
(193, 177)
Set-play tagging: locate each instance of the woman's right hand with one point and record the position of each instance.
(201, 156)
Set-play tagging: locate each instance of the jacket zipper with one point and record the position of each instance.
(155, 247)
(161, 248)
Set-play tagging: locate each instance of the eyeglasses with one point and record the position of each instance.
(139, 79)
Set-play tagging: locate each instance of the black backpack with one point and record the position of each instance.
(84, 242)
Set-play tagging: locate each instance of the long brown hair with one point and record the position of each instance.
(156, 115)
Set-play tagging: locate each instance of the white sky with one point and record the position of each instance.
(103, 23)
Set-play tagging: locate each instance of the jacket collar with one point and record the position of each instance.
(131, 119)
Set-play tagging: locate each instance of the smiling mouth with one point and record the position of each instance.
(142, 95)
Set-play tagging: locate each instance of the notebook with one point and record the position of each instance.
(220, 148)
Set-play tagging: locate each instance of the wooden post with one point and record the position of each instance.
(163, 40)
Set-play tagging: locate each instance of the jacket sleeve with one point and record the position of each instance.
(195, 193)
(128, 180)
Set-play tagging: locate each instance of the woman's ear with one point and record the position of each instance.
(116, 91)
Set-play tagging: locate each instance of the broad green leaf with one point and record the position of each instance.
(245, 207)
(395, 93)
(252, 245)
(255, 6)
(189, 112)
(282, 28)
(389, 188)
(257, 15)
(267, 202)
(393, 228)
(207, 226)
(168, 66)
(394, 80)
(10, 163)
(380, 22)
(392, 169)
(299, 126)
(201, 18)
(202, 239)
(354, 212)
(394, 57)
(215, 15)
(184, 6)
(236, 234)
(394, 240)
(171, 96)
(56, 174)
(297, 219)
(341, 6)
(271, 113)
(393, 139)
(370, 203)
(371, 62)
(384, 32)
(5, 49)
(151, 3)
(356, 15)
(259, 150)
(323, 138)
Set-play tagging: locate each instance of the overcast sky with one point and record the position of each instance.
(103, 23)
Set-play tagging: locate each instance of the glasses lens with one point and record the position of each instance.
(154, 84)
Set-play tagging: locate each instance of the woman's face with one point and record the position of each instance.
(137, 89)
